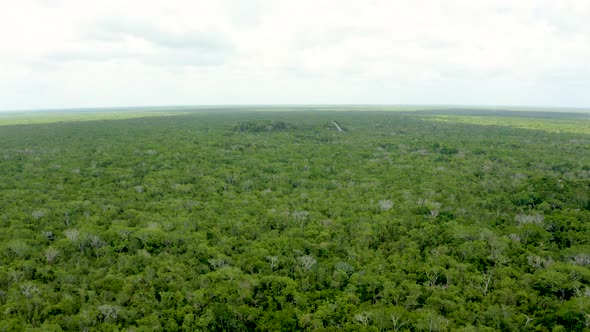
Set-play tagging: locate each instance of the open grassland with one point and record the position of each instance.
(39, 117)
(555, 124)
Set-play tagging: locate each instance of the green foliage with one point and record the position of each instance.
(274, 221)
(262, 126)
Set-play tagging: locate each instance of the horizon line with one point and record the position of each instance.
(302, 105)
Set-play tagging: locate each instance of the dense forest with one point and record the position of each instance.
(277, 221)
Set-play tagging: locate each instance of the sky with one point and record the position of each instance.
(110, 53)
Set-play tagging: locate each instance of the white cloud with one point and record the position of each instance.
(63, 53)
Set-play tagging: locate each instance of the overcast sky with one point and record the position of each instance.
(61, 54)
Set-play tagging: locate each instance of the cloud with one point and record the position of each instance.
(112, 40)
(119, 30)
(72, 53)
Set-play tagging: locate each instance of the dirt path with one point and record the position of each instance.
(337, 126)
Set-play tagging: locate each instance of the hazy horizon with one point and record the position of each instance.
(63, 54)
(283, 107)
